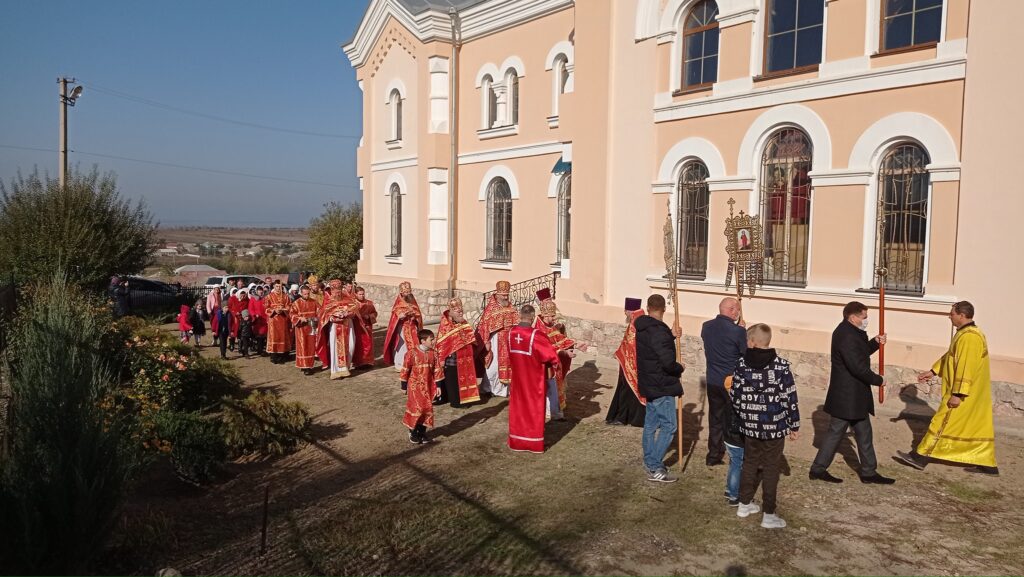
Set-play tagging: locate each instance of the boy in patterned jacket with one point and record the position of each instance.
(764, 397)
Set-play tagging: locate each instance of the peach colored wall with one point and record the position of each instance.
(837, 212)
(535, 86)
(396, 50)
(844, 37)
(987, 269)
(734, 51)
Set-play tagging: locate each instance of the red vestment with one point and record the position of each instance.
(459, 339)
(421, 371)
(626, 355)
(498, 319)
(300, 313)
(363, 323)
(563, 345)
(279, 331)
(258, 314)
(531, 354)
(235, 307)
(408, 327)
(336, 316)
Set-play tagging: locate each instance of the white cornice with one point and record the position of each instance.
(817, 88)
(511, 152)
(485, 18)
(393, 164)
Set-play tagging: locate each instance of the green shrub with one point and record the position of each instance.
(263, 424)
(194, 443)
(70, 457)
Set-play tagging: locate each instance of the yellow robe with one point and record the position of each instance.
(964, 434)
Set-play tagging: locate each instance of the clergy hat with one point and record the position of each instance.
(543, 294)
(548, 308)
(633, 304)
(503, 287)
(335, 284)
(455, 304)
(405, 288)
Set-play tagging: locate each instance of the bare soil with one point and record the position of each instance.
(362, 500)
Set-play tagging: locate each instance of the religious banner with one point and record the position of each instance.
(744, 242)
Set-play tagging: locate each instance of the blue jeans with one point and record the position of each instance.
(659, 426)
(554, 407)
(732, 479)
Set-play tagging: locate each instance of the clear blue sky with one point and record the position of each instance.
(273, 63)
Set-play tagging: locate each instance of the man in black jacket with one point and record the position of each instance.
(724, 344)
(658, 378)
(849, 400)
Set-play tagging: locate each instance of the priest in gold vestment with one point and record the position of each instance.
(961, 430)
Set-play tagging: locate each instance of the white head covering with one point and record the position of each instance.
(294, 287)
(233, 291)
(250, 288)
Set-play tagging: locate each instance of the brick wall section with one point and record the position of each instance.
(810, 369)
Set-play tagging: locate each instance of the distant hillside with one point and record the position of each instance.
(234, 236)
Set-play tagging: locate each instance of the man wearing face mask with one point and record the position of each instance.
(850, 401)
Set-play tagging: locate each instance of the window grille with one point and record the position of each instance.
(692, 201)
(564, 217)
(499, 221)
(902, 218)
(786, 206)
(396, 220)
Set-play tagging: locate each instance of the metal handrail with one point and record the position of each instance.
(525, 292)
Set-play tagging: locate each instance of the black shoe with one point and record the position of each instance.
(615, 423)
(823, 476)
(983, 470)
(711, 462)
(734, 502)
(877, 479)
(414, 438)
(911, 459)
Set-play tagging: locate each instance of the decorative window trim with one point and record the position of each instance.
(770, 121)
(495, 265)
(489, 133)
(552, 121)
(393, 144)
(496, 171)
(393, 259)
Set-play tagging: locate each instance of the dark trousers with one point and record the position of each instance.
(223, 346)
(243, 345)
(451, 385)
(718, 403)
(830, 442)
(762, 461)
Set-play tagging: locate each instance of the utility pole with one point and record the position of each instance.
(65, 101)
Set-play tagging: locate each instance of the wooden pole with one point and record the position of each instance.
(679, 359)
(263, 532)
(881, 331)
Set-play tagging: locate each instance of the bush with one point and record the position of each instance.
(44, 227)
(334, 241)
(70, 458)
(263, 424)
(194, 443)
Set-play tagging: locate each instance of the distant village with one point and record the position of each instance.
(191, 263)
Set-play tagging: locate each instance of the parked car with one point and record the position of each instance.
(148, 296)
(226, 282)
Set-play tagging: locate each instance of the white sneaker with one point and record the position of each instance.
(772, 521)
(746, 510)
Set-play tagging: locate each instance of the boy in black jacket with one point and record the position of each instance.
(764, 397)
(658, 379)
(245, 335)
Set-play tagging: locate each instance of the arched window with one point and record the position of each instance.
(902, 217)
(910, 23)
(561, 79)
(692, 212)
(396, 114)
(489, 102)
(512, 85)
(499, 221)
(794, 34)
(564, 217)
(700, 45)
(786, 206)
(396, 220)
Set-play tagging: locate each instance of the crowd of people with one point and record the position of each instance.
(525, 354)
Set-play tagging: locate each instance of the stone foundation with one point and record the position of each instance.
(810, 369)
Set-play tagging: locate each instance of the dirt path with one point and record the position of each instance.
(363, 500)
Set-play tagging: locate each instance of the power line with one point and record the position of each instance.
(154, 103)
(186, 167)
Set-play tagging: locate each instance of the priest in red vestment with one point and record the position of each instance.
(406, 321)
(498, 318)
(304, 315)
(363, 323)
(421, 370)
(531, 356)
(548, 322)
(279, 332)
(336, 338)
(628, 405)
(456, 347)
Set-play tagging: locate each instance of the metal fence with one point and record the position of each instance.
(525, 292)
(163, 301)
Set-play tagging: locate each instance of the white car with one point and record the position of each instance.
(231, 280)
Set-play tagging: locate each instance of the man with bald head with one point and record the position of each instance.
(725, 341)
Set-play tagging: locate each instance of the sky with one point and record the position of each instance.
(273, 63)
